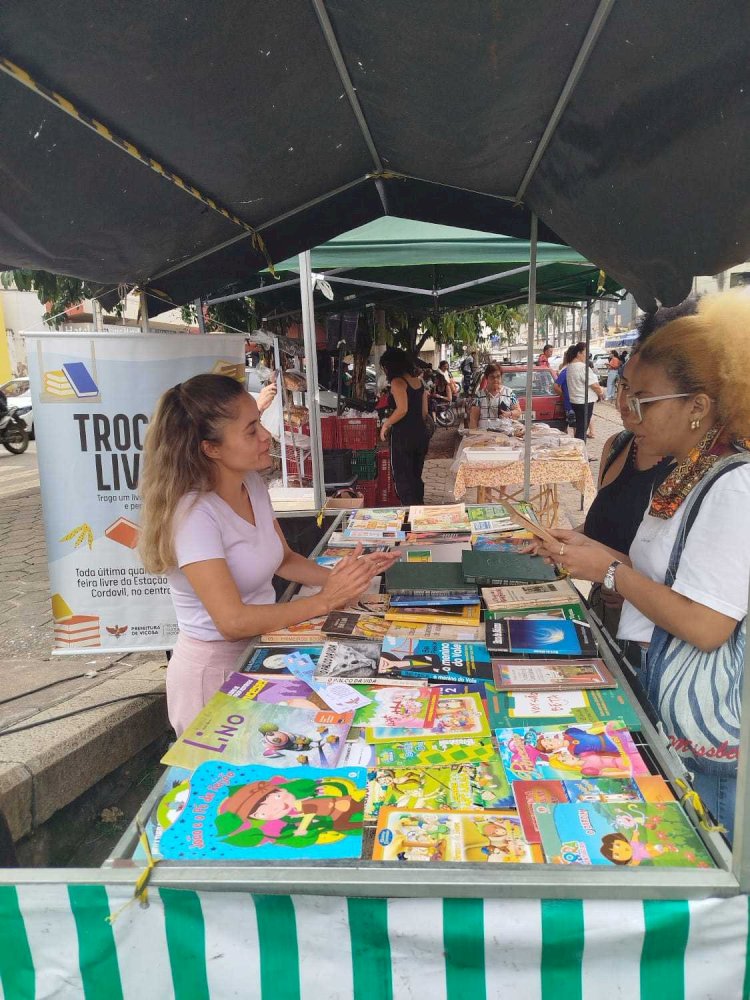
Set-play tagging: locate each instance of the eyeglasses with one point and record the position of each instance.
(634, 403)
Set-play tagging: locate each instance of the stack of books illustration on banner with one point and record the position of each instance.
(463, 714)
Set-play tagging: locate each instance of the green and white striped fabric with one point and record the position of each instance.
(55, 942)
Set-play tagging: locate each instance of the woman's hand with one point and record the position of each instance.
(349, 579)
(266, 396)
(581, 557)
(384, 431)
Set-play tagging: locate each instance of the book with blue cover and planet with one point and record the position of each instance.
(256, 813)
(539, 637)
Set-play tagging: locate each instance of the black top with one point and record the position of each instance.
(618, 507)
(412, 423)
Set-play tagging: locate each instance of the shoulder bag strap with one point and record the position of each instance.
(619, 445)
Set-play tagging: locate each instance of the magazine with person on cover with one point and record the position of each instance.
(426, 659)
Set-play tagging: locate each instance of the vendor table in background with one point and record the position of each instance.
(495, 480)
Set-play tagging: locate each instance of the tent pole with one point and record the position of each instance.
(313, 390)
(586, 377)
(144, 312)
(530, 359)
(198, 306)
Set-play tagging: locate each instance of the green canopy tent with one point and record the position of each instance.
(423, 267)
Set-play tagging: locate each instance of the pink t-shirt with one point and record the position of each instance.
(206, 527)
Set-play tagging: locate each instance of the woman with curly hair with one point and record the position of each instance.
(686, 577)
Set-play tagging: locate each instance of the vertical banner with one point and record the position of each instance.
(93, 396)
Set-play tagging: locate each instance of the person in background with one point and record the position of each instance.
(560, 385)
(614, 367)
(686, 577)
(407, 425)
(467, 373)
(494, 401)
(207, 523)
(576, 380)
(543, 359)
(451, 384)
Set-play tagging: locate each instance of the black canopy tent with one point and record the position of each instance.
(179, 146)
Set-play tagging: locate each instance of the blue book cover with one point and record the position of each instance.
(540, 637)
(256, 813)
(434, 660)
(448, 598)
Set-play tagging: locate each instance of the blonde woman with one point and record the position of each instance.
(207, 523)
(686, 577)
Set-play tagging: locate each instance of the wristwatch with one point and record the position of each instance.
(609, 577)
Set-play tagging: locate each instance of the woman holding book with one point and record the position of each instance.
(686, 577)
(207, 523)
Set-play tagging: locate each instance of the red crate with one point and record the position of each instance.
(358, 433)
(387, 496)
(329, 432)
(369, 490)
(383, 458)
(292, 466)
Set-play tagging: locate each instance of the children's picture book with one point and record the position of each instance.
(583, 751)
(528, 594)
(275, 690)
(397, 707)
(469, 786)
(250, 731)
(439, 518)
(349, 625)
(417, 753)
(337, 696)
(653, 835)
(353, 662)
(309, 633)
(437, 633)
(426, 659)
(556, 675)
(427, 614)
(573, 612)
(539, 637)
(504, 568)
(234, 812)
(267, 661)
(514, 708)
(177, 788)
(425, 578)
(433, 835)
(499, 543)
(455, 715)
(644, 788)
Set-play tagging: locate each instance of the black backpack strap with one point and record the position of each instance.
(694, 502)
(618, 446)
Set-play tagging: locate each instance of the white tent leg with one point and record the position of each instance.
(313, 390)
(530, 359)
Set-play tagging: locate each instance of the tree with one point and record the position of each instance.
(461, 327)
(56, 290)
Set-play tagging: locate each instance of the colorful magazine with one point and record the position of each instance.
(242, 731)
(557, 675)
(418, 753)
(499, 543)
(396, 707)
(274, 690)
(471, 786)
(645, 788)
(269, 661)
(539, 637)
(352, 662)
(528, 594)
(425, 659)
(627, 833)
(235, 813)
(526, 708)
(488, 519)
(455, 715)
(583, 751)
(445, 517)
(376, 524)
(349, 625)
(431, 835)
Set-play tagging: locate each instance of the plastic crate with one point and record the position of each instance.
(337, 465)
(364, 464)
(329, 431)
(369, 490)
(383, 458)
(293, 466)
(358, 433)
(387, 496)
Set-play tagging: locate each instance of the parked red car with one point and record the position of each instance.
(548, 406)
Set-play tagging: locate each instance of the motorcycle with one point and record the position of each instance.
(14, 436)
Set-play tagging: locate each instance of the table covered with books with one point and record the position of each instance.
(446, 789)
(493, 463)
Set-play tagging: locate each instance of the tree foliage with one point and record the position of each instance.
(464, 328)
(57, 290)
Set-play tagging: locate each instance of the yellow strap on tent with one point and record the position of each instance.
(141, 885)
(693, 798)
(600, 283)
(66, 105)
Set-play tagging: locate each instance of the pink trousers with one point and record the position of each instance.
(196, 670)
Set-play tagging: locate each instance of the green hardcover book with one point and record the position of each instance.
(424, 578)
(506, 709)
(504, 568)
(573, 612)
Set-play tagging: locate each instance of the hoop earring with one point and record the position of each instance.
(695, 424)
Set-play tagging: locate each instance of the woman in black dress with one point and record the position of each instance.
(407, 425)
